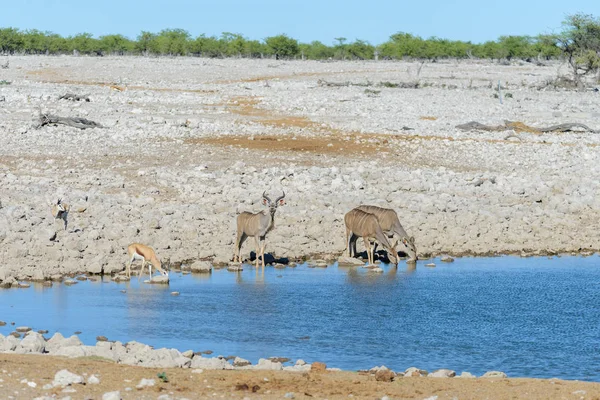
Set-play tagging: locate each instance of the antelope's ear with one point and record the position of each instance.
(405, 241)
(265, 201)
(412, 239)
(281, 202)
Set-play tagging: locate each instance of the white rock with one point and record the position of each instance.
(145, 383)
(65, 378)
(494, 374)
(442, 373)
(111, 396)
(265, 364)
(93, 380)
(240, 362)
(350, 261)
(210, 363)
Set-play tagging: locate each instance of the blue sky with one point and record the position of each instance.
(306, 20)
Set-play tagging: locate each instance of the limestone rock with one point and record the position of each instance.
(64, 378)
(413, 371)
(265, 364)
(201, 267)
(210, 363)
(494, 374)
(350, 262)
(442, 373)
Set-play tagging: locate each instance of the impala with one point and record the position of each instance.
(138, 251)
(60, 211)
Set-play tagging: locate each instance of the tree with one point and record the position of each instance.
(84, 43)
(361, 49)
(580, 42)
(173, 42)
(116, 44)
(11, 40)
(282, 46)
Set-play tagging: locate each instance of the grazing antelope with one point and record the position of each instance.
(137, 251)
(390, 224)
(365, 225)
(60, 210)
(256, 225)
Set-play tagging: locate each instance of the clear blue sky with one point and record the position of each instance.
(306, 20)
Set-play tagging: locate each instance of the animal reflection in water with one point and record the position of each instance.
(393, 273)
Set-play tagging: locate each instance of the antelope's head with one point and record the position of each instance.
(409, 242)
(58, 207)
(273, 204)
(165, 267)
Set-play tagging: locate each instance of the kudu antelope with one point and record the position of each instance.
(390, 224)
(256, 225)
(137, 251)
(60, 211)
(365, 225)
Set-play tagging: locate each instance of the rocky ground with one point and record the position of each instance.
(188, 143)
(113, 371)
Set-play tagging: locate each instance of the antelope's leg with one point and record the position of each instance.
(368, 247)
(242, 239)
(256, 244)
(128, 266)
(348, 237)
(263, 245)
(142, 270)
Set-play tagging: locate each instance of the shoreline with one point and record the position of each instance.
(134, 353)
(8, 280)
(49, 377)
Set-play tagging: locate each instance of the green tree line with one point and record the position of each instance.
(579, 42)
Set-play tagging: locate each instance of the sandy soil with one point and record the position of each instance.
(267, 384)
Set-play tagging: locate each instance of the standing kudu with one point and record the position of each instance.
(390, 224)
(256, 225)
(365, 225)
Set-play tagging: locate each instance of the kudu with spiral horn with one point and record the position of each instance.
(257, 225)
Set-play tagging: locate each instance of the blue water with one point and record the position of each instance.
(528, 317)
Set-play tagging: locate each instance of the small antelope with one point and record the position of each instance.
(389, 222)
(365, 225)
(60, 210)
(256, 225)
(137, 251)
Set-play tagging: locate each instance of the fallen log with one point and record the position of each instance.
(74, 97)
(75, 122)
(521, 127)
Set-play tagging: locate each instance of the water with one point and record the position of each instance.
(528, 317)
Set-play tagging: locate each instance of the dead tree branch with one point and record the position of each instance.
(74, 97)
(395, 85)
(75, 122)
(521, 127)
